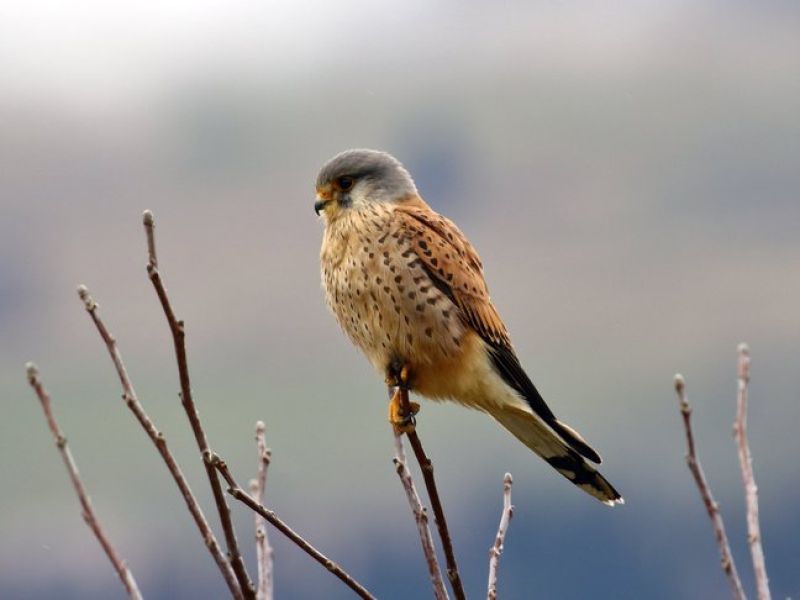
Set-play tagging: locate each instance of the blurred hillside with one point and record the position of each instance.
(630, 175)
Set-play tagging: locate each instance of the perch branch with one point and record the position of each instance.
(726, 558)
(178, 331)
(86, 504)
(257, 488)
(421, 518)
(237, 492)
(497, 548)
(426, 466)
(129, 396)
(746, 463)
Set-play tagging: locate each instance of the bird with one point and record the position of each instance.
(408, 289)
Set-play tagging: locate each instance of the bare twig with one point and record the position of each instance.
(178, 331)
(746, 463)
(426, 466)
(245, 498)
(86, 504)
(129, 396)
(726, 558)
(264, 552)
(497, 548)
(421, 518)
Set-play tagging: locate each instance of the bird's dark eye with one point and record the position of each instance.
(345, 183)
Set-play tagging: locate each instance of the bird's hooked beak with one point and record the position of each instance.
(324, 196)
(319, 205)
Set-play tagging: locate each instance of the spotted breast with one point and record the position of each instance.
(382, 294)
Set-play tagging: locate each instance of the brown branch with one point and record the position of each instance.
(237, 492)
(421, 518)
(178, 331)
(426, 466)
(748, 478)
(712, 508)
(129, 396)
(72, 469)
(497, 548)
(258, 486)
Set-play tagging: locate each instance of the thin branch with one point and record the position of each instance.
(497, 548)
(86, 504)
(258, 486)
(245, 498)
(426, 466)
(746, 463)
(129, 396)
(421, 518)
(726, 558)
(178, 331)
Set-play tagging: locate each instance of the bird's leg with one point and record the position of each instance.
(401, 409)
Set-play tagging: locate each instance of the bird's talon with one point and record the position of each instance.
(401, 421)
(409, 427)
(405, 423)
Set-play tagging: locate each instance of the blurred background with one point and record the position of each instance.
(630, 173)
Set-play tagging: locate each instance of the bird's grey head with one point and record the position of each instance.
(357, 178)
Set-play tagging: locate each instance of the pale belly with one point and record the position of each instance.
(386, 303)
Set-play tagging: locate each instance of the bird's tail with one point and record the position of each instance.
(563, 457)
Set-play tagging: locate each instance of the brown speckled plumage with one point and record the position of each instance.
(407, 287)
(378, 287)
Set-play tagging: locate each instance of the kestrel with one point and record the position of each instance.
(408, 289)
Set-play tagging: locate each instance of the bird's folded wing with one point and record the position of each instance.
(454, 267)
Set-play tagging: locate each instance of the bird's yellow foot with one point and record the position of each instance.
(401, 421)
(398, 374)
(404, 377)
